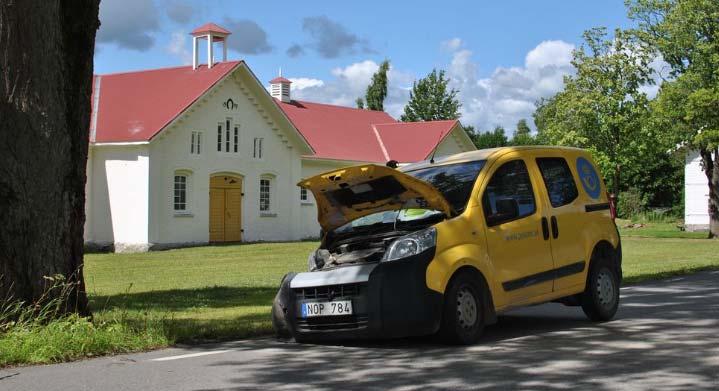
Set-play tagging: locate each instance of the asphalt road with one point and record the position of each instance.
(665, 337)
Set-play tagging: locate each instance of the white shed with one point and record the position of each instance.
(696, 193)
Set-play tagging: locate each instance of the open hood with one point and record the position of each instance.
(350, 193)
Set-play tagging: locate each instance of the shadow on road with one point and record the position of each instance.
(665, 336)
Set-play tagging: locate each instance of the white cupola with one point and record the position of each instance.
(212, 33)
(280, 88)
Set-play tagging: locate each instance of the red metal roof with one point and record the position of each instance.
(413, 141)
(280, 80)
(135, 106)
(210, 28)
(338, 132)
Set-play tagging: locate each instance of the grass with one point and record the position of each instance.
(150, 300)
(656, 230)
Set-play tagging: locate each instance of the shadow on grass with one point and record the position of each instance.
(185, 299)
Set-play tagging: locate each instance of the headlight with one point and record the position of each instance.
(411, 244)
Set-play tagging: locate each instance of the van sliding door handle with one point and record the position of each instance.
(545, 228)
(555, 227)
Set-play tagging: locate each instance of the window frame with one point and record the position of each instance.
(531, 189)
(185, 188)
(544, 179)
(270, 189)
(304, 196)
(258, 148)
(228, 137)
(196, 143)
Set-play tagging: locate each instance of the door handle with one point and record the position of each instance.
(545, 228)
(555, 227)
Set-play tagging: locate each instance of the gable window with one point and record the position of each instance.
(303, 194)
(257, 150)
(195, 142)
(228, 137)
(265, 194)
(180, 194)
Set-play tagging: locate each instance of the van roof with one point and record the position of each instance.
(481, 154)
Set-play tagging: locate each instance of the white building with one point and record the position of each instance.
(204, 153)
(696, 194)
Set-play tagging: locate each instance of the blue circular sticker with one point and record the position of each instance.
(588, 176)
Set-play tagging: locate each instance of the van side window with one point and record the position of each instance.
(509, 194)
(558, 179)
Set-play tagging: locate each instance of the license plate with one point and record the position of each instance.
(327, 308)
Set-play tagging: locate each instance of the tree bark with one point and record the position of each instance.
(711, 170)
(46, 65)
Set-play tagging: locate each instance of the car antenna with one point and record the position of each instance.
(436, 146)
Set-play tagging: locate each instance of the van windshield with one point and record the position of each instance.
(454, 181)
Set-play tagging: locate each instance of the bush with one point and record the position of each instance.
(630, 203)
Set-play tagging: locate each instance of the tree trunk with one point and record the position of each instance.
(711, 169)
(46, 65)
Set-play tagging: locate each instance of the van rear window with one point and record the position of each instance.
(454, 181)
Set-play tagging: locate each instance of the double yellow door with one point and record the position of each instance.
(225, 209)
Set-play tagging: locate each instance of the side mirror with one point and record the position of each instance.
(507, 209)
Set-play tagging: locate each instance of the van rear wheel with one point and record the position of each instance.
(600, 299)
(463, 312)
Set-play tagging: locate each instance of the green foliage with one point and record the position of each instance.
(630, 203)
(493, 139)
(431, 99)
(377, 90)
(523, 134)
(602, 107)
(360, 103)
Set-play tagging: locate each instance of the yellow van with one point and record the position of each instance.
(444, 246)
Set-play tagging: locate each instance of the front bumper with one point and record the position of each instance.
(389, 300)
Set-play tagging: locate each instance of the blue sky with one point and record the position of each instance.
(502, 56)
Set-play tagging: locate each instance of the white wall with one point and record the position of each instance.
(117, 187)
(171, 152)
(455, 142)
(696, 187)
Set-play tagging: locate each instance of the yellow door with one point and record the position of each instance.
(520, 252)
(225, 209)
(233, 203)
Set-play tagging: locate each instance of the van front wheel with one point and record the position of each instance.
(600, 299)
(463, 312)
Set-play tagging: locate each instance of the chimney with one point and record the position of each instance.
(280, 88)
(212, 33)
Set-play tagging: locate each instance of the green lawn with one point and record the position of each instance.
(198, 293)
(151, 300)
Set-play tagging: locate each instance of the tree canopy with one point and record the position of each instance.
(377, 89)
(431, 99)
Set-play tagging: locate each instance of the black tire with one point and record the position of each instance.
(463, 311)
(600, 299)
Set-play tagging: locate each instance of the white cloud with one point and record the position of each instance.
(300, 83)
(178, 46)
(451, 45)
(510, 93)
(503, 98)
(558, 53)
(350, 82)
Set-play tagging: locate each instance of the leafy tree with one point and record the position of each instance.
(360, 103)
(686, 34)
(491, 139)
(377, 90)
(45, 111)
(602, 107)
(431, 99)
(523, 134)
